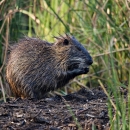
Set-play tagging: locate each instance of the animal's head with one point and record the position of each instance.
(72, 53)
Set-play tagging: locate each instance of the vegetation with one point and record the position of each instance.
(103, 26)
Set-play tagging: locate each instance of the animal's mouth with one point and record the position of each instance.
(73, 66)
(84, 67)
(78, 66)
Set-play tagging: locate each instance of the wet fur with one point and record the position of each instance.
(36, 67)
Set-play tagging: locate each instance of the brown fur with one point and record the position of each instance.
(36, 67)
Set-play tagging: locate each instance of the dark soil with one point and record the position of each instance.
(78, 111)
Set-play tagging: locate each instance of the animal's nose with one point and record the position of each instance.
(90, 62)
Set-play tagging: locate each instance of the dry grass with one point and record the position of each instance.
(103, 26)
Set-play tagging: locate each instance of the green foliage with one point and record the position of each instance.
(103, 26)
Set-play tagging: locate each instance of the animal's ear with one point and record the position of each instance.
(66, 42)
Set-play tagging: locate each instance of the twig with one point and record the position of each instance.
(76, 113)
(2, 2)
(106, 53)
(92, 116)
(82, 85)
(30, 15)
(6, 45)
(38, 113)
(14, 105)
(2, 87)
(127, 5)
(102, 86)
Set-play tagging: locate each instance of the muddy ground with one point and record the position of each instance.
(78, 111)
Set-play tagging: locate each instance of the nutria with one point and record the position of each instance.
(36, 67)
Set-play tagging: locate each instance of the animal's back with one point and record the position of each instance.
(24, 64)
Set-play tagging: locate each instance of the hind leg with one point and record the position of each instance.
(28, 93)
(31, 95)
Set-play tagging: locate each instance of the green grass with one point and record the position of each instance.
(103, 27)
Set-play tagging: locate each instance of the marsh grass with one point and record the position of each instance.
(103, 26)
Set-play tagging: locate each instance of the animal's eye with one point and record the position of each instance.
(65, 42)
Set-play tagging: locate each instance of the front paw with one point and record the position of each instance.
(86, 70)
